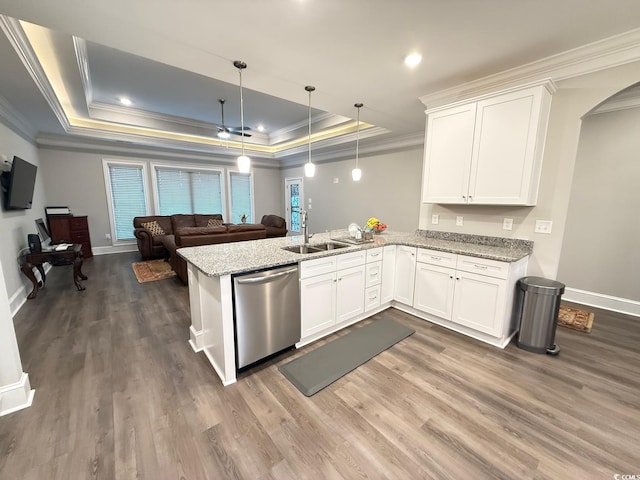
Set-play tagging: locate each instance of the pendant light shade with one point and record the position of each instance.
(356, 173)
(244, 162)
(309, 167)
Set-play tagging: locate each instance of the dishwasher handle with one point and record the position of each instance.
(266, 277)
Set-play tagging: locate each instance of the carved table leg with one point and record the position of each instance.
(27, 269)
(77, 273)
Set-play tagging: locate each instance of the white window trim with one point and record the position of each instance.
(253, 197)
(187, 166)
(106, 162)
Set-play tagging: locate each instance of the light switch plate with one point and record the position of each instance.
(435, 219)
(507, 224)
(543, 226)
(459, 220)
(336, 180)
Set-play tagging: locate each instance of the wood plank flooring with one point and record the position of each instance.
(121, 395)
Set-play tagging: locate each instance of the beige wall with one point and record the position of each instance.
(600, 249)
(389, 190)
(574, 98)
(15, 225)
(88, 196)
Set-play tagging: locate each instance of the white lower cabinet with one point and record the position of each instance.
(472, 292)
(405, 274)
(330, 298)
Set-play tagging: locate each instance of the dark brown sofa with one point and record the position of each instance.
(276, 226)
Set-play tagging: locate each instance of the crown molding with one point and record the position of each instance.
(90, 144)
(285, 133)
(14, 32)
(377, 146)
(82, 57)
(608, 53)
(14, 120)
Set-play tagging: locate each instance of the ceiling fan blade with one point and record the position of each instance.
(239, 133)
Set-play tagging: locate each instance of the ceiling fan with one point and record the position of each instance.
(225, 132)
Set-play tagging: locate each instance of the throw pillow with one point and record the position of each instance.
(154, 228)
(214, 222)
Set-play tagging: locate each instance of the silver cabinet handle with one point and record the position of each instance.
(436, 258)
(481, 267)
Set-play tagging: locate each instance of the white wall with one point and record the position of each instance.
(574, 98)
(15, 225)
(389, 190)
(600, 251)
(76, 180)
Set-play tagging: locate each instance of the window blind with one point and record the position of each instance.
(128, 198)
(241, 201)
(188, 191)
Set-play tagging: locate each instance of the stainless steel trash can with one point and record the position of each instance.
(539, 303)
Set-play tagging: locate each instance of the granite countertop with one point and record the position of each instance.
(239, 257)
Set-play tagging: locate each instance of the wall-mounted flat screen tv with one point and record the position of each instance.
(18, 185)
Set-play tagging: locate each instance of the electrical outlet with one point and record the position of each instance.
(435, 219)
(507, 224)
(459, 220)
(543, 226)
(108, 236)
(336, 180)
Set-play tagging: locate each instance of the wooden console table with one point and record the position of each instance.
(71, 256)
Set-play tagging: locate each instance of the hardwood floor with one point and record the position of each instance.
(120, 394)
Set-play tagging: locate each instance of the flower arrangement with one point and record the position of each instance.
(243, 218)
(375, 225)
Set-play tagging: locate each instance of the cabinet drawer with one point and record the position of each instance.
(78, 223)
(79, 237)
(318, 266)
(373, 275)
(372, 297)
(483, 266)
(433, 257)
(374, 255)
(353, 259)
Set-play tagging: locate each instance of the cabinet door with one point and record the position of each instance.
(317, 300)
(447, 155)
(434, 290)
(388, 273)
(479, 302)
(405, 274)
(350, 293)
(504, 148)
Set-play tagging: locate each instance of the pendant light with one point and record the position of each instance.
(356, 173)
(244, 162)
(309, 167)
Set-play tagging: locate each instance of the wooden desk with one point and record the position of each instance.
(71, 256)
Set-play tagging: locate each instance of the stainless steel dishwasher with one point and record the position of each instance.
(267, 313)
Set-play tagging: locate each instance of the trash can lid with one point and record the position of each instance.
(541, 285)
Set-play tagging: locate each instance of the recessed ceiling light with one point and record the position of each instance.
(412, 60)
(125, 101)
(261, 128)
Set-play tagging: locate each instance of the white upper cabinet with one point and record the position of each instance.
(487, 151)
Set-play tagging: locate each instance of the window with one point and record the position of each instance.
(126, 188)
(188, 190)
(241, 192)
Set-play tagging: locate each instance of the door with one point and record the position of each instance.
(405, 274)
(294, 204)
(349, 293)
(479, 302)
(434, 290)
(317, 299)
(447, 154)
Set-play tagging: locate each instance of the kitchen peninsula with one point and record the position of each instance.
(463, 282)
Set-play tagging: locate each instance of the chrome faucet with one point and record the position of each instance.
(305, 228)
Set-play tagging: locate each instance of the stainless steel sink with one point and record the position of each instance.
(318, 247)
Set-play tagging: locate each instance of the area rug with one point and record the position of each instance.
(152, 270)
(576, 319)
(321, 367)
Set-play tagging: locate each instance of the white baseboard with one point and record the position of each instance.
(196, 338)
(16, 396)
(114, 249)
(600, 300)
